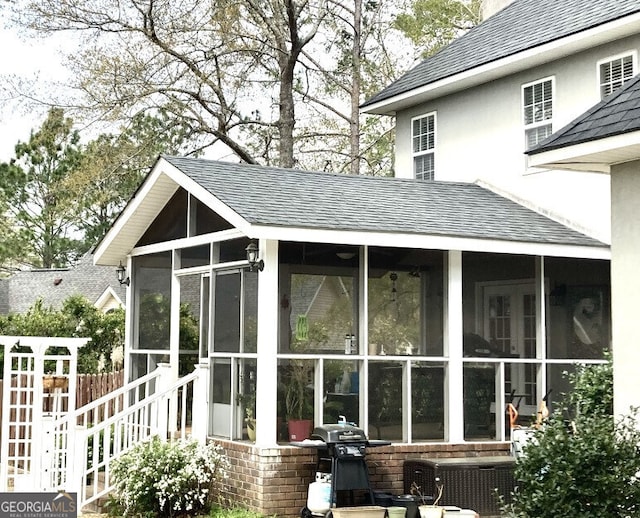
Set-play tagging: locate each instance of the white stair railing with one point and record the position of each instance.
(146, 407)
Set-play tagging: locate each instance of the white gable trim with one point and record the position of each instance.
(107, 295)
(155, 192)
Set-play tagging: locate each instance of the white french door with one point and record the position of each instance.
(509, 324)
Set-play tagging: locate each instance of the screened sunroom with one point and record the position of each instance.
(416, 309)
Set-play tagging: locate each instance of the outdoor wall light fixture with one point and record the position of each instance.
(121, 272)
(252, 257)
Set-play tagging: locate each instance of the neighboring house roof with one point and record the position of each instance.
(23, 288)
(518, 29)
(614, 123)
(272, 203)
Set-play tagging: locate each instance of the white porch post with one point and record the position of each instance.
(267, 363)
(200, 403)
(454, 404)
(127, 344)
(160, 415)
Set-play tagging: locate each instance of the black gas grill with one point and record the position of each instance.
(341, 452)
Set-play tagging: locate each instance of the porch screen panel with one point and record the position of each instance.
(227, 302)
(250, 311)
(499, 314)
(190, 313)
(579, 311)
(152, 296)
(385, 400)
(427, 398)
(405, 301)
(322, 309)
(342, 390)
(479, 393)
(205, 291)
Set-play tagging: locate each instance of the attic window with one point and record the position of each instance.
(537, 106)
(423, 136)
(614, 72)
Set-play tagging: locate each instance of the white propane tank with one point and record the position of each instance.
(319, 497)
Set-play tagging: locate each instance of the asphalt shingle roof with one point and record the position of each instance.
(522, 25)
(20, 291)
(616, 114)
(314, 200)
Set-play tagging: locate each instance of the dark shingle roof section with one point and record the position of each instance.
(522, 25)
(301, 199)
(22, 289)
(616, 114)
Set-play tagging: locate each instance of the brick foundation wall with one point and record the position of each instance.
(274, 481)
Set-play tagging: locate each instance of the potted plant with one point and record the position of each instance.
(299, 399)
(429, 510)
(248, 402)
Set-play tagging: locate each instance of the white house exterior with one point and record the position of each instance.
(419, 308)
(606, 138)
(476, 89)
(467, 111)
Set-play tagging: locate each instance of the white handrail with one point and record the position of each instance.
(85, 468)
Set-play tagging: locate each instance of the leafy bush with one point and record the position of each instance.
(76, 318)
(587, 466)
(166, 479)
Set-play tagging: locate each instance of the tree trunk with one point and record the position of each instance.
(354, 152)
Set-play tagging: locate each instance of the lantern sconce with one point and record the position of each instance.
(121, 273)
(252, 257)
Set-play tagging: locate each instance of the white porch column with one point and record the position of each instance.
(625, 284)
(200, 402)
(454, 418)
(267, 363)
(160, 424)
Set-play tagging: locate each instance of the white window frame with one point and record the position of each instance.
(543, 122)
(428, 151)
(610, 59)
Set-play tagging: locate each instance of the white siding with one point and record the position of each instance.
(481, 137)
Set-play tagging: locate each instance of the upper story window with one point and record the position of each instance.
(537, 107)
(423, 135)
(614, 72)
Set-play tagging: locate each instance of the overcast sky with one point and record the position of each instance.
(33, 60)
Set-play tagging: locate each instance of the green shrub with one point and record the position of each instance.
(587, 466)
(166, 479)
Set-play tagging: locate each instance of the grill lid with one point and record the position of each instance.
(334, 433)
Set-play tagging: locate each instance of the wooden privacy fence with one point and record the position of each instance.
(89, 387)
